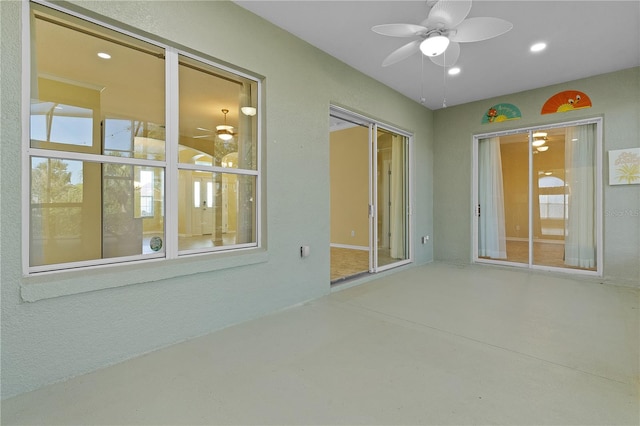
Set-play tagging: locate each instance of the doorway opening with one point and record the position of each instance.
(537, 194)
(370, 196)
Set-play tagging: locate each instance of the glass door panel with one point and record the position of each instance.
(350, 151)
(564, 177)
(549, 196)
(503, 201)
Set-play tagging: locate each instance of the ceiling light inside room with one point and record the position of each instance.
(224, 131)
(542, 148)
(538, 142)
(104, 55)
(248, 110)
(434, 45)
(454, 71)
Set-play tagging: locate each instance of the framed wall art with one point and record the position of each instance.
(624, 166)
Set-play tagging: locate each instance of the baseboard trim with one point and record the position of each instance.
(347, 246)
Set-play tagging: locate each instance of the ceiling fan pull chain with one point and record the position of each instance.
(444, 80)
(422, 98)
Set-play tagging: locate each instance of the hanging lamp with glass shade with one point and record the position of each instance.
(224, 131)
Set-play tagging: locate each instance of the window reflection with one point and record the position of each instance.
(134, 138)
(552, 204)
(67, 124)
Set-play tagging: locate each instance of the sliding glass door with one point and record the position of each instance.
(370, 197)
(537, 196)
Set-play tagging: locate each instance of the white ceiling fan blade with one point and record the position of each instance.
(447, 14)
(402, 53)
(449, 57)
(399, 30)
(477, 29)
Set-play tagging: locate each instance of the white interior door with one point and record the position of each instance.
(202, 213)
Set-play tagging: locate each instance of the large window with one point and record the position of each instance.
(113, 176)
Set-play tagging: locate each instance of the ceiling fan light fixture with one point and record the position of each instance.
(224, 131)
(434, 45)
(538, 142)
(538, 47)
(542, 148)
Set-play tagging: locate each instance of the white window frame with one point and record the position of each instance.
(598, 121)
(218, 258)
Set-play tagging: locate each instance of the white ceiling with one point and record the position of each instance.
(584, 38)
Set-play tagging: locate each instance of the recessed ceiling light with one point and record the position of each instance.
(104, 55)
(454, 71)
(538, 47)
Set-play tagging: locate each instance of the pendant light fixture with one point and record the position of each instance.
(248, 111)
(224, 131)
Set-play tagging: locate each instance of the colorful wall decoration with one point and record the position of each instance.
(568, 100)
(624, 166)
(501, 112)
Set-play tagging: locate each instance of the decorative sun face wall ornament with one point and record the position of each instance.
(501, 112)
(568, 100)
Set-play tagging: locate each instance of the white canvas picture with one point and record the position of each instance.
(624, 166)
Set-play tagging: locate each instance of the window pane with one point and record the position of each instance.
(66, 124)
(73, 220)
(215, 209)
(132, 200)
(212, 122)
(65, 211)
(73, 107)
(133, 138)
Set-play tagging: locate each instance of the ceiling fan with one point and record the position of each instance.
(223, 131)
(439, 35)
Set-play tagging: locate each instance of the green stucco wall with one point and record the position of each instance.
(56, 338)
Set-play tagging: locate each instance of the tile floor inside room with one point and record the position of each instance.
(435, 344)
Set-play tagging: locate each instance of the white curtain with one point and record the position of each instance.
(398, 217)
(491, 226)
(580, 238)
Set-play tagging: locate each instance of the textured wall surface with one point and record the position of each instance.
(614, 96)
(55, 338)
